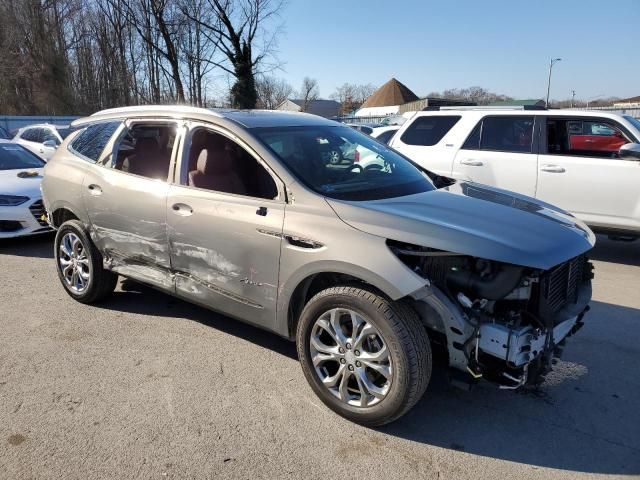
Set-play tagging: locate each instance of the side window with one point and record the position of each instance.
(32, 134)
(91, 141)
(428, 130)
(47, 134)
(145, 150)
(507, 134)
(584, 137)
(217, 163)
(473, 140)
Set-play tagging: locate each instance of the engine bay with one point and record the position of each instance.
(513, 319)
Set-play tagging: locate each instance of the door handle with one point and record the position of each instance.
(182, 209)
(262, 211)
(95, 190)
(471, 163)
(552, 169)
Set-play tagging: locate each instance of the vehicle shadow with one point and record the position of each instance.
(39, 246)
(134, 297)
(583, 419)
(626, 253)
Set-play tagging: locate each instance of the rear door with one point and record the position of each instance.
(425, 141)
(47, 151)
(500, 151)
(32, 138)
(580, 171)
(127, 205)
(225, 216)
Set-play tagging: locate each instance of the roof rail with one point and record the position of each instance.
(478, 107)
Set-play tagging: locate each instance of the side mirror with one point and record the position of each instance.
(630, 151)
(50, 144)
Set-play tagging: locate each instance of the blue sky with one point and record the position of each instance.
(428, 45)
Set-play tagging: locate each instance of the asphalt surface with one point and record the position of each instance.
(147, 386)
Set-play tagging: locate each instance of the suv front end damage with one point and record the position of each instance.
(501, 322)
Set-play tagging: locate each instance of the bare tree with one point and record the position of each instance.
(238, 31)
(79, 56)
(351, 96)
(159, 24)
(309, 92)
(478, 95)
(272, 92)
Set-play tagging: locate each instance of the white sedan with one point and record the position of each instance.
(21, 209)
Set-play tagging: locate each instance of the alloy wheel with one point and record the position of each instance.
(350, 357)
(74, 263)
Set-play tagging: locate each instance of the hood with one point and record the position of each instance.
(12, 184)
(474, 220)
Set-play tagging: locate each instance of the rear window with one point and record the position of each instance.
(14, 157)
(91, 141)
(32, 135)
(427, 131)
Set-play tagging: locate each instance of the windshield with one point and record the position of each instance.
(14, 157)
(342, 163)
(4, 134)
(634, 121)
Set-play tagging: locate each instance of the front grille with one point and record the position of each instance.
(39, 213)
(559, 287)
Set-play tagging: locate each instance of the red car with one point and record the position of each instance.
(594, 137)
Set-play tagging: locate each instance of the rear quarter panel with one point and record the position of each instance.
(62, 183)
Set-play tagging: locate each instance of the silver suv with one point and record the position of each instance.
(367, 268)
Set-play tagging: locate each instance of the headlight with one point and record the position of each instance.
(12, 200)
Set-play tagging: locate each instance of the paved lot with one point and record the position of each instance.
(148, 386)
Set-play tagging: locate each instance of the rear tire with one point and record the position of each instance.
(372, 355)
(80, 265)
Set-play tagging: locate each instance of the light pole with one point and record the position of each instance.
(593, 98)
(551, 64)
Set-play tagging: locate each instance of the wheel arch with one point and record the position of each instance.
(61, 215)
(295, 293)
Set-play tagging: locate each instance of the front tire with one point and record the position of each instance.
(80, 266)
(366, 357)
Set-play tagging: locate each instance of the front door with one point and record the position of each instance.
(125, 195)
(225, 219)
(501, 152)
(580, 171)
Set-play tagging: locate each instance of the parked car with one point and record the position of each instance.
(364, 127)
(364, 159)
(43, 140)
(586, 162)
(21, 209)
(244, 213)
(384, 134)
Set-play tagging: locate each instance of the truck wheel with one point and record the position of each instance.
(79, 265)
(366, 357)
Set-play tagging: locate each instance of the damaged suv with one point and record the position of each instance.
(367, 268)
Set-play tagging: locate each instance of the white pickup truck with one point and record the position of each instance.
(586, 162)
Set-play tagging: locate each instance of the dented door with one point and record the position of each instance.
(225, 251)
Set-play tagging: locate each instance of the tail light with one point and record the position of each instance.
(356, 157)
